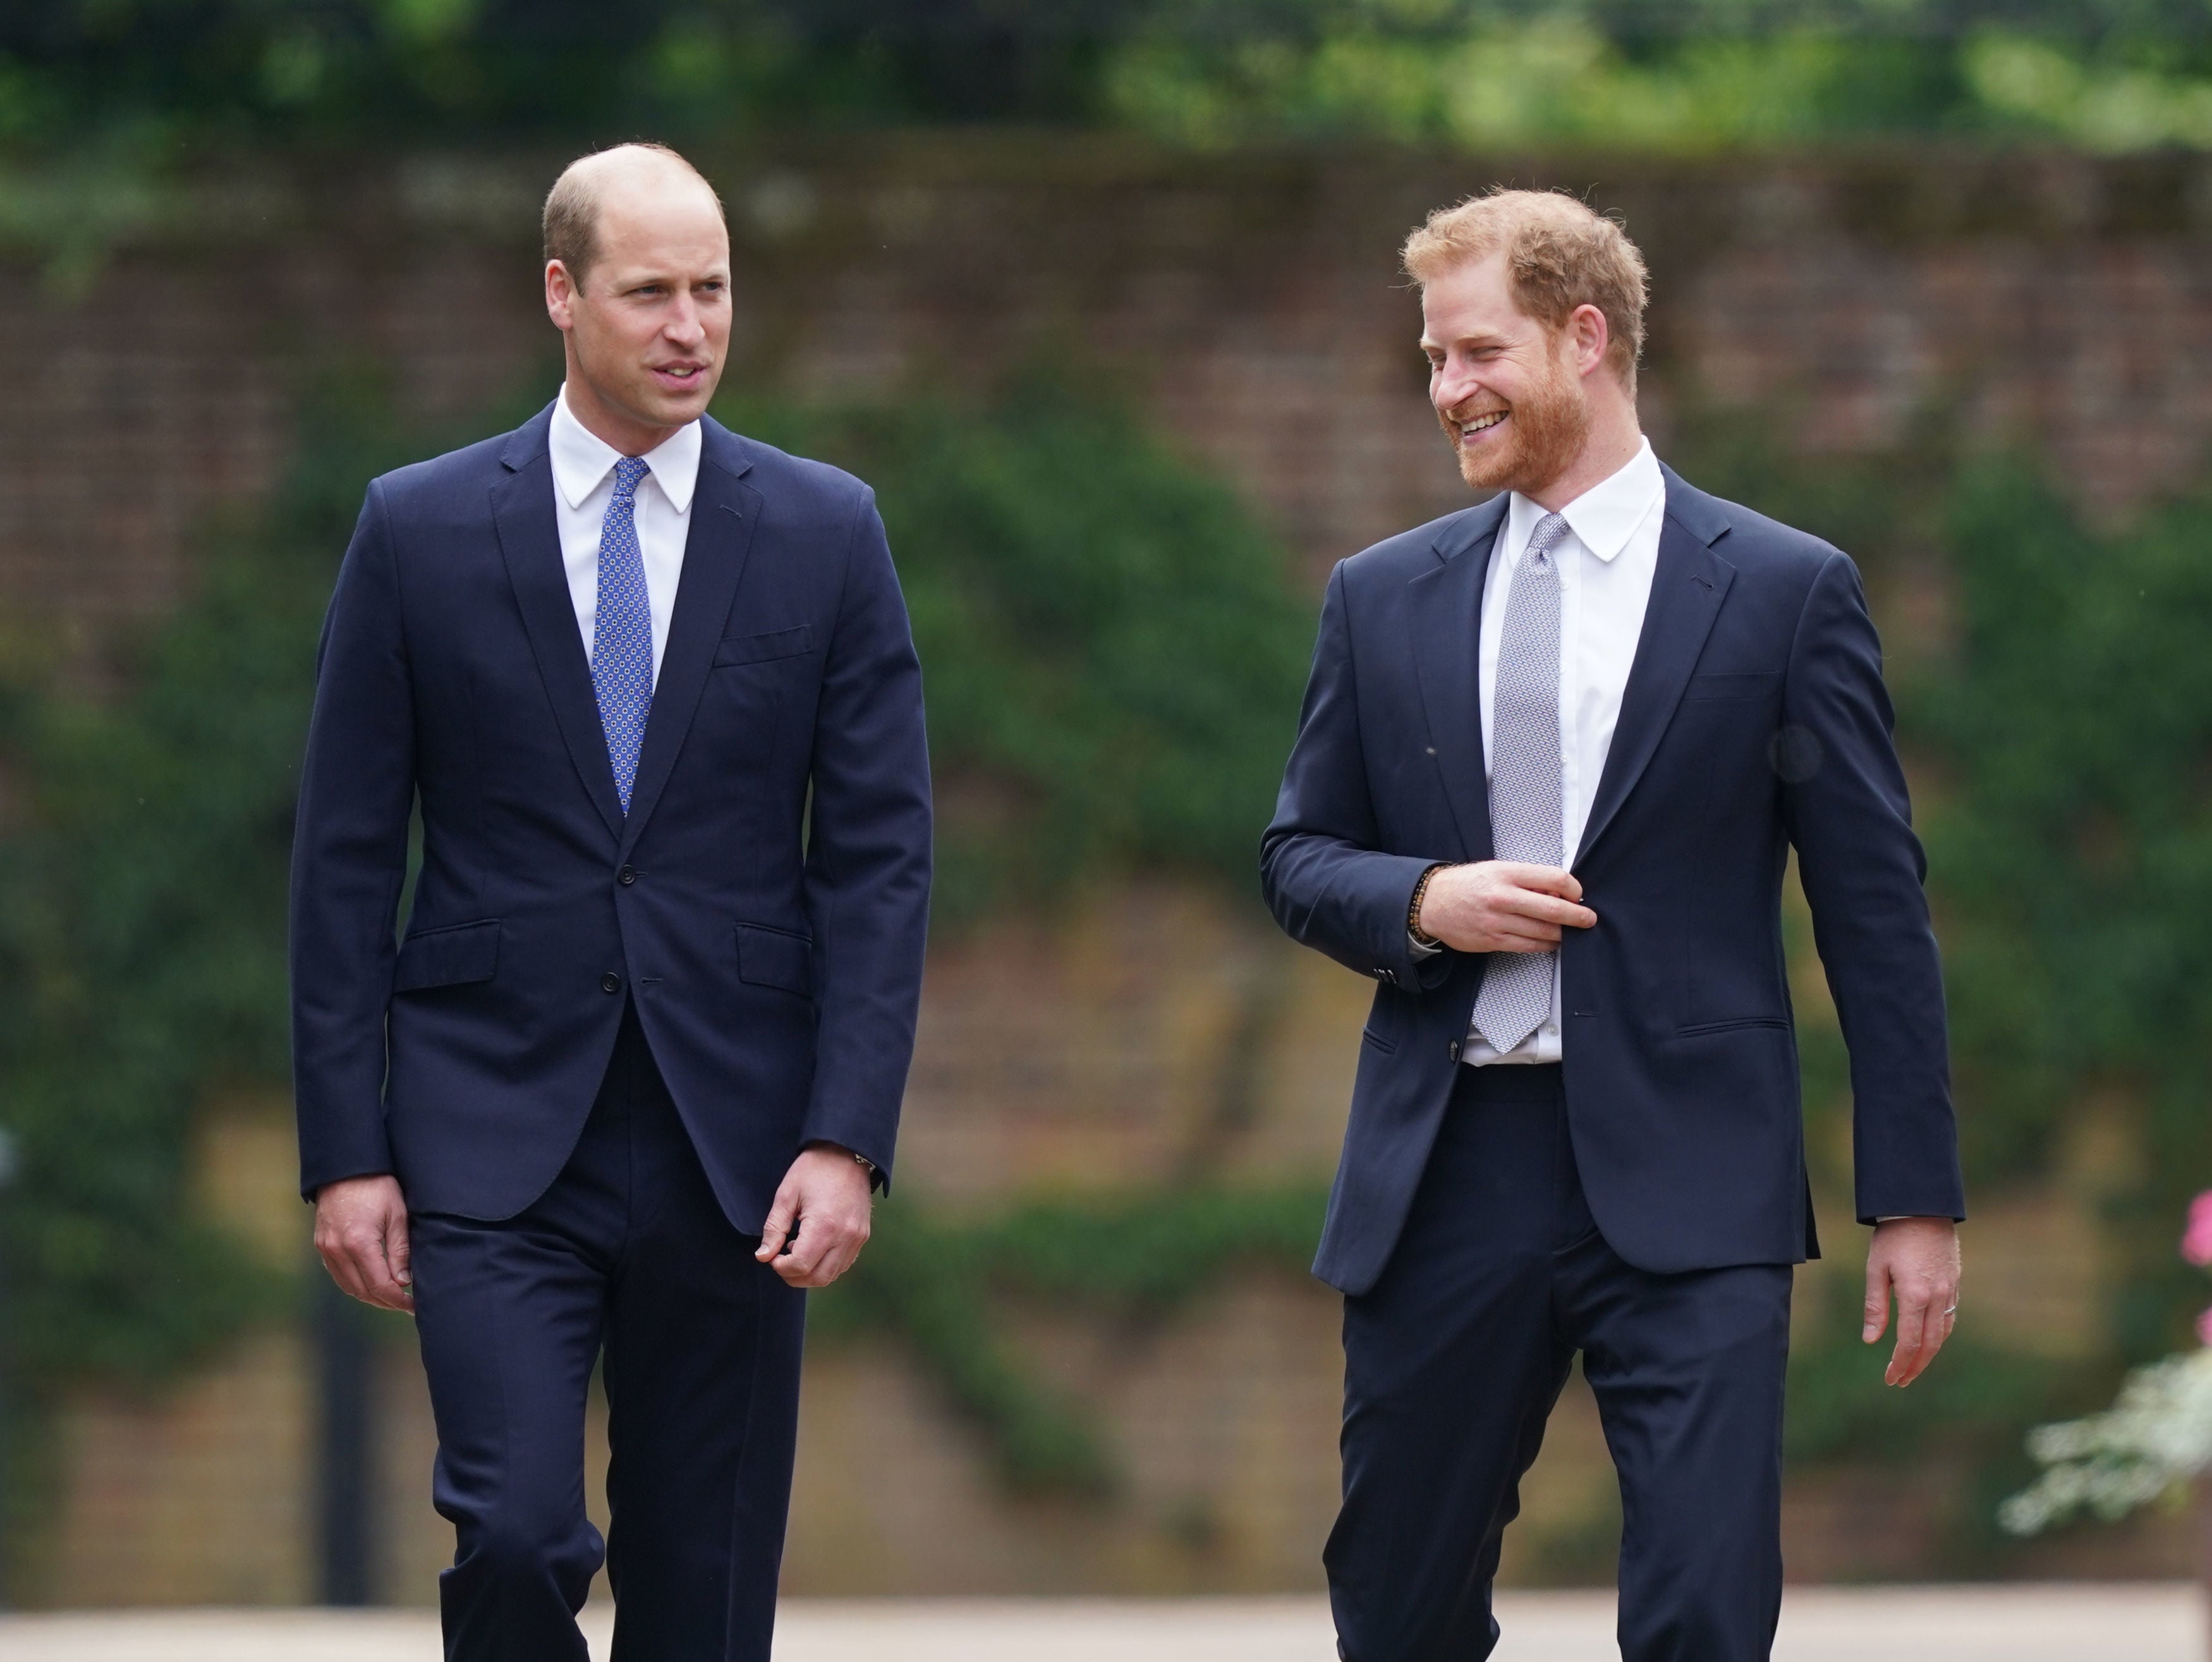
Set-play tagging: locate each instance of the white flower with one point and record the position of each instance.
(2157, 1434)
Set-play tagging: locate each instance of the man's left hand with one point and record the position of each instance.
(1918, 1259)
(821, 1211)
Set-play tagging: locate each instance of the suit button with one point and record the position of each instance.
(610, 982)
(626, 876)
(1452, 1050)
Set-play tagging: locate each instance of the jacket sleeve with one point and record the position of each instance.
(1328, 883)
(868, 856)
(348, 861)
(1862, 870)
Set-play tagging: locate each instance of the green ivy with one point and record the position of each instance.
(142, 922)
(1113, 654)
(1114, 663)
(937, 1285)
(1676, 73)
(1063, 567)
(2073, 838)
(2058, 720)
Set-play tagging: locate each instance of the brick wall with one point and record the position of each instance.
(1251, 300)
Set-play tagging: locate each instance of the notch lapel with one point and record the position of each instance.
(1687, 589)
(1447, 643)
(724, 511)
(530, 542)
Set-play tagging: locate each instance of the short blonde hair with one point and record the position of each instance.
(1559, 254)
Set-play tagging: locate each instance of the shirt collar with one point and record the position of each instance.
(1605, 516)
(582, 459)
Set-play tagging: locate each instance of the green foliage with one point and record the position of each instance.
(119, 118)
(1114, 661)
(1974, 1401)
(1965, 1416)
(2073, 843)
(946, 1289)
(919, 1280)
(1481, 79)
(933, 1282)
(1150, 1251)
(141, 909)
(2060, 733)
(1679, 74)
(1684, 78)
(1114, 665)
(345, 71)
(1114, 658)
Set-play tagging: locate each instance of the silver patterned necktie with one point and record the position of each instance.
(622, 630)
(1527, 805)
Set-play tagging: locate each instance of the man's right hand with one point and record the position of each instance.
(361, 1231)
(1502, 906)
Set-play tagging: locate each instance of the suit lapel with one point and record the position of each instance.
(1687, 589)
(1447, 634)
(530, 542)
(724, 511)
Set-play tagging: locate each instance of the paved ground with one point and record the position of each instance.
(2132, 1623)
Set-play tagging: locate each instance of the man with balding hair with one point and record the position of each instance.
(1555, 754)
(623, 1091)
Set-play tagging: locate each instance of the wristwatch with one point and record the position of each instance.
(866, 1165)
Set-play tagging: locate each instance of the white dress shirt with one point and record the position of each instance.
(583, 486)
(1605, 565)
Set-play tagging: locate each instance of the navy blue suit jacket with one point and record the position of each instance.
(765, 902)
(1754, 720)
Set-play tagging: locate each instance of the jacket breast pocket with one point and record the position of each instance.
(1757, 684)
(764, 648)
(449, 957)
(776, 958)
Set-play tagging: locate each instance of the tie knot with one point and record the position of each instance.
(1550, 531)
(628, 471)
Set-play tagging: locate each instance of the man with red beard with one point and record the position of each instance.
(1554, 755)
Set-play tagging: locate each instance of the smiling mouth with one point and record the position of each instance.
(1468, 429)
(681, 371)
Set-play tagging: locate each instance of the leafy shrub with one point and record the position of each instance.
(1113, 656)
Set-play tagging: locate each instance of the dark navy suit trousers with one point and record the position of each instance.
(1456, 1356)
(628, 1256)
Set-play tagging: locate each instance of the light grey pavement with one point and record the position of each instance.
(2146, 1622)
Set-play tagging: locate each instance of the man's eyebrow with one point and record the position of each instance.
(667, 279)
(1481, 337)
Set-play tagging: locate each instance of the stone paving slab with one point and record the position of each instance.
(2147, 1623)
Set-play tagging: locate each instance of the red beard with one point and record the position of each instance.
(1543, 433)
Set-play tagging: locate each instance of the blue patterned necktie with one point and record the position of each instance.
(1526, 792)
(622, 633)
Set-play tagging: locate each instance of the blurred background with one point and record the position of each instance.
(1101, 295)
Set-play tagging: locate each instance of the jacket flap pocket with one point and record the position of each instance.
(448, 957)
(776, 958)
(1757, 684)
(759, 648)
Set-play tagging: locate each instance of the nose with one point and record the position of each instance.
(1451, 384)
(684, 327)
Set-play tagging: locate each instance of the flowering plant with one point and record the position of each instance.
(2156, 1435)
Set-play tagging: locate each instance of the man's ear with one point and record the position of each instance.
(1587, 328)
(560, 295)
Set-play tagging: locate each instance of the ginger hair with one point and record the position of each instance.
(1559, 254)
